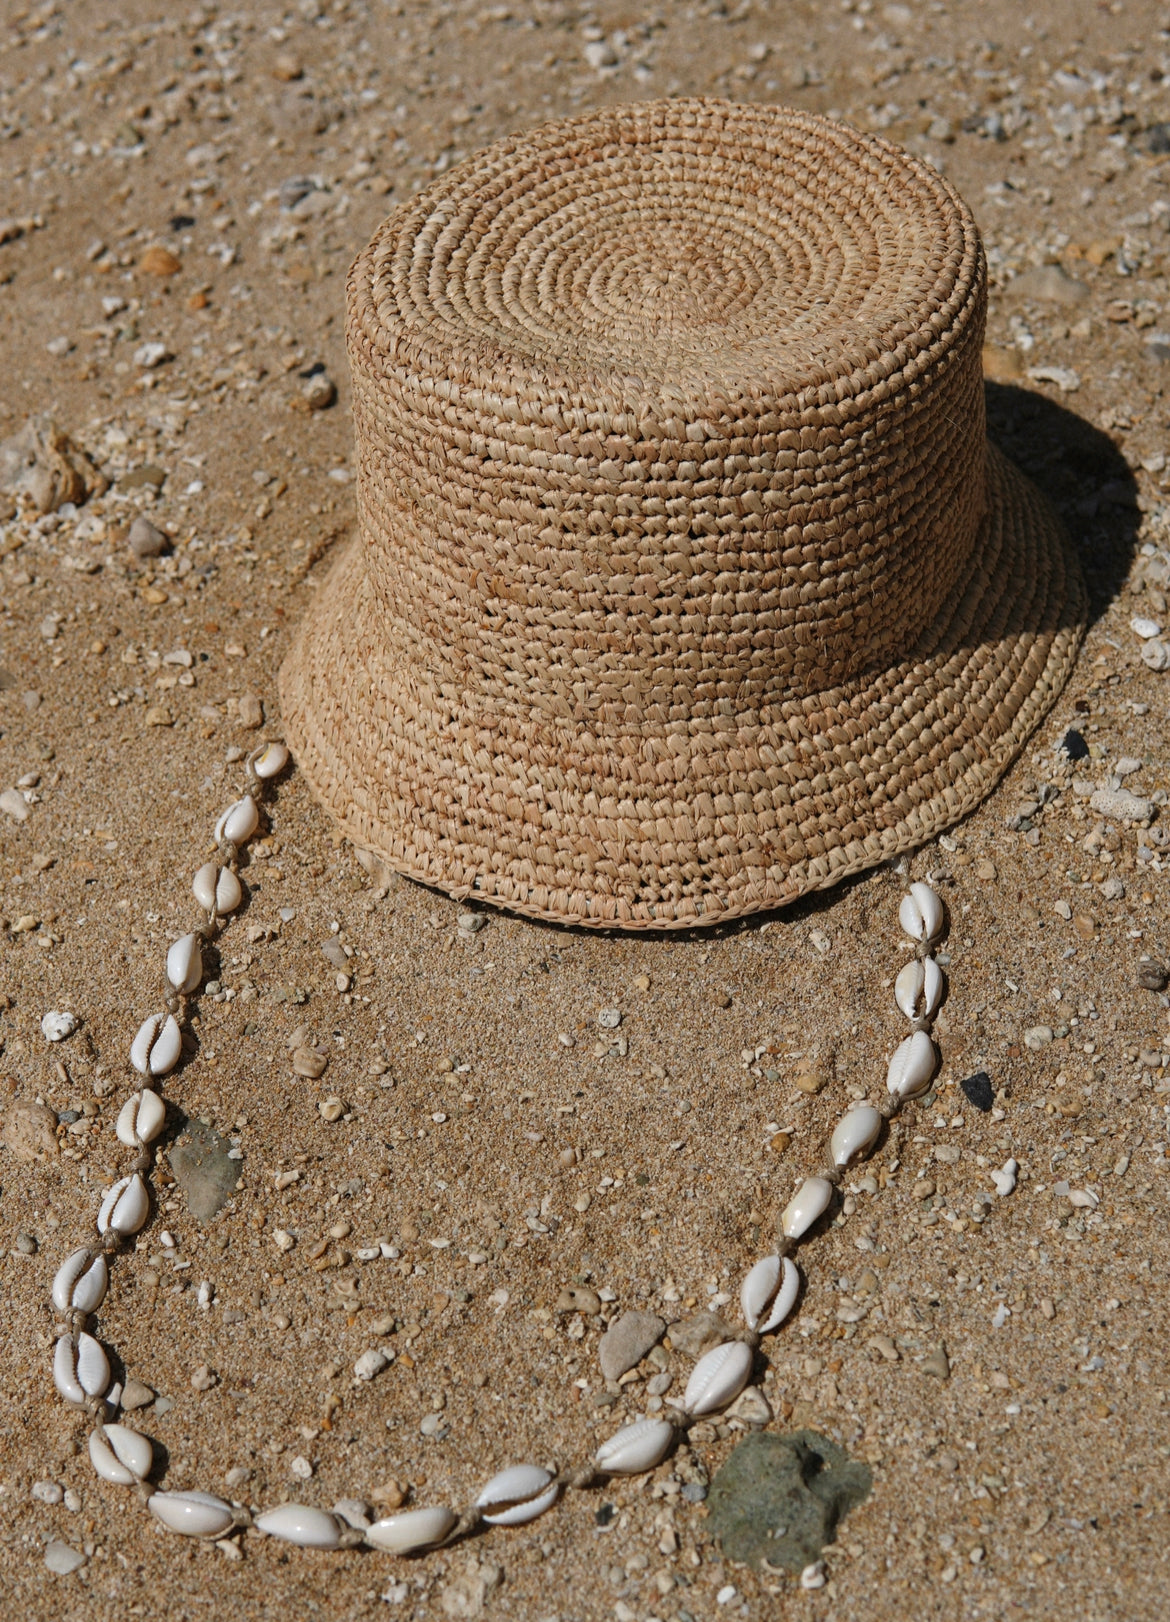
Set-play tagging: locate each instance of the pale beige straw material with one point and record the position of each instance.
(685, 579)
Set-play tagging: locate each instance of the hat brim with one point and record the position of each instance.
(555, 827)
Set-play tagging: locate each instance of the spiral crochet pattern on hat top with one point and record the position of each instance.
(683, 583)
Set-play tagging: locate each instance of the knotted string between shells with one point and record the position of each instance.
(123, 1456)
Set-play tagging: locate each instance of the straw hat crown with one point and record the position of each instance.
(672, 472)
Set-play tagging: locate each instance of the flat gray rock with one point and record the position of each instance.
(780, 1498)
(626, 1342)
(199, 1160)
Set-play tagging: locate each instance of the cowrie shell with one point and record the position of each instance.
(125, 1206)
(239, 822)
(855, 1134)
(194, 1514)
(217, 889)
(718, 1378)
(141, 1118)
(81, 1369)
(270, 762)
(120, 1455)
(301, 1524)
(912, 1066)
(810, 1201)
(81, 1282)
(918, 989)
(768, 1293)
(185, 963)
(415, 1529)
(518, 1494)
(158, 1046)
(635, 1448)
(921, 913)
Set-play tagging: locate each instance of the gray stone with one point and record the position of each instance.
(780, 1498)
(145, 540)
(626, 1342)
(202, 1169)
(694, 1336)
(59, 1557)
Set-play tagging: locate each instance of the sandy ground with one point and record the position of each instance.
(1034, 1481)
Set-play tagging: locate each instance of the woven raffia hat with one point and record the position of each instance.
(685, 581)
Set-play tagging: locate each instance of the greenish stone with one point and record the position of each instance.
(780, 1498)
(199, 1160)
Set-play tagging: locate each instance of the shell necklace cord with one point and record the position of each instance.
(123, 1456)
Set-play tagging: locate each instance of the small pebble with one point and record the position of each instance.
(136, 1395)
(578, 1298)
(318, 393)
(47, 1492)
(308, 1063)
(26, 1244)
(146, 541)
(14, 805)
(203, 1378)
(60, 1558)
(56, 1026)
(370, 1363)
(978, 1090)
(1152, 977)
(937, 1364)
(250, 711)
(1145, 628)
(331, 1109)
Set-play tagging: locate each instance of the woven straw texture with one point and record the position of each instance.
(686, 581)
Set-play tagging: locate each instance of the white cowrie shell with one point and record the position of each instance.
(918, 989)
(768, 1293)
(912, 1066)
(301, 1524)
(270, 762)
(854, 1134)
(194, 1514)
(718, 1377)
(635, 1448)
(81, 1282)
(413, 1530)
(239, 822)
(921, 913)
(217, 889)
(81, 1369)
(518, 1494)
(125, 1206)
(810, 1201)
(185, 963)
(158, 1046)
(141, 1118)
(120, 1455)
